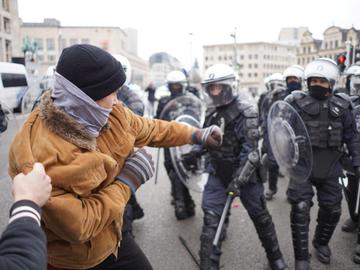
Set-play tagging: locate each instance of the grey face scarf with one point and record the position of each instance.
(70, 99)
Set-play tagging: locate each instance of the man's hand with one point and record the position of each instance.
(210, 137)
(34, 186)
(137, 169)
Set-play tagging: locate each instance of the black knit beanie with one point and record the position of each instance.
(96, 72)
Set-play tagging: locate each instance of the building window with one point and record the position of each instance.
(62, 44)
(73, 41)
(85, 41)
(304, 50)
(50, 44)
(7, 26)
(250, 65)
(309, 49)
(219, 58)
(255, 56)
(40, 58)
(206, 58)
(336, 43)
(225, 57)
(250, 56)
(51, 58)
(241, 57)
(249, 75)
(255, 65)
(1, 50)
(6, 5)
(39, 43)
(8, 50)
(255, 74)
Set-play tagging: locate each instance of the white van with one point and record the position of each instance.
(13, 84)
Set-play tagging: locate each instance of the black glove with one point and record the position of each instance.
(137, 169)
(209, 137)
(233, 188)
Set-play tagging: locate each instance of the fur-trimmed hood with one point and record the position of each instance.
(64, 125)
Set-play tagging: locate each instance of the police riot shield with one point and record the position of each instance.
(290, 142)
(190, 110)
(8, 128)
(356, 113)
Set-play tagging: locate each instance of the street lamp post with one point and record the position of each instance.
(233, 35)
(190, 36)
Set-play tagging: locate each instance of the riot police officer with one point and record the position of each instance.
(183, 203)
(239, 121)
(351, 190)
(330, 124)
(293, 76)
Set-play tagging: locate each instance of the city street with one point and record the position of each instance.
(157, 233)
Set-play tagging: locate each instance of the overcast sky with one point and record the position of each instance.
(166, 25)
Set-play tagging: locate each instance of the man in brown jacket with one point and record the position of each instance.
(86, 140)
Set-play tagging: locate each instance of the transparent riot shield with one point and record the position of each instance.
(290, 142)
(356, 113)
(8, 127)
(190, 110)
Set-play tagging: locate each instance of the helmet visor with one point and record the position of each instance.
(220, 94)
(355, 85)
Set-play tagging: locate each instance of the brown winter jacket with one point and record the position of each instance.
(83, 216)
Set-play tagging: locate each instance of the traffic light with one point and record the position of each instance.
(341, 59)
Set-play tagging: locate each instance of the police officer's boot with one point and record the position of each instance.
(328, 217)
(180, 210)
(178, 194)
(273, 179)
(267, 234)
(356, 257)
(209, 255)
(351, 224)
(299, 218)
(138, 212)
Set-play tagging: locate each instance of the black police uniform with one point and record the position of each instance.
(330, 124)
(240, 119)
(351, 193)
(277, 94)
(184, 204)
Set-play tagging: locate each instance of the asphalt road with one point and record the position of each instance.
(157, 233)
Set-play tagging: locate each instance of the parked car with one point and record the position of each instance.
(14, 84)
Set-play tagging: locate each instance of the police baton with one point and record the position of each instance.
(223, 216)
(357, 199)
(157, 165)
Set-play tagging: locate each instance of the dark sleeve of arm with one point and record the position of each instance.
(352, 138)
(23, 243)
(160, 107)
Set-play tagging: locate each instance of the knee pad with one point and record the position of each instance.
(300, 211)
(211, 219)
